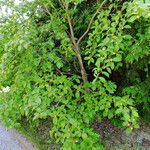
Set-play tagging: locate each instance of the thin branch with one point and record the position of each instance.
(90, 23)
(71, 27)
(46, 10)
(61, 3)
(76, 46)
(59, 71)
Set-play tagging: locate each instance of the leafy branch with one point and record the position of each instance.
(76, 46)
(91, 21)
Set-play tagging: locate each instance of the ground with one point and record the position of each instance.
(112, 137)
(10, 139)
(116, 139)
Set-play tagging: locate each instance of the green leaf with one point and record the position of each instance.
(127, 27)
(110, 115)
(106, 74)
(134, 113)
(77, 94)
(108, 69)
(73, 121)
(117, 59)
(119, 111)
(132, 18)
(102, 79)
(112, 66)
(129, 130)
(59, 64)
(84, 136)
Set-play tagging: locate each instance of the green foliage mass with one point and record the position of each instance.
(57, 60)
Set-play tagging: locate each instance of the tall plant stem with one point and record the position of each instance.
(76, 43)
(76, 48)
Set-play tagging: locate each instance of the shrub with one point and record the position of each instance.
(57, 58)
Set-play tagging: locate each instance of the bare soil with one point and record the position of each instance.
(116, 139)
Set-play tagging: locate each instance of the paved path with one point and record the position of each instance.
(10, 139)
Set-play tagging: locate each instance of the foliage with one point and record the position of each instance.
(53, 65)
(137, 64)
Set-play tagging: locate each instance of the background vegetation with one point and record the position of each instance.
(74, 61)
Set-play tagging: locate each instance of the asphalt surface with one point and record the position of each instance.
(10, 139)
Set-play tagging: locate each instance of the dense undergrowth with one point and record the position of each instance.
(74, 61)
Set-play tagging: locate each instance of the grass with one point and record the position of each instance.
(39, 137)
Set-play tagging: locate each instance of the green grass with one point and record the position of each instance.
(39, 137)
(32, 136)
